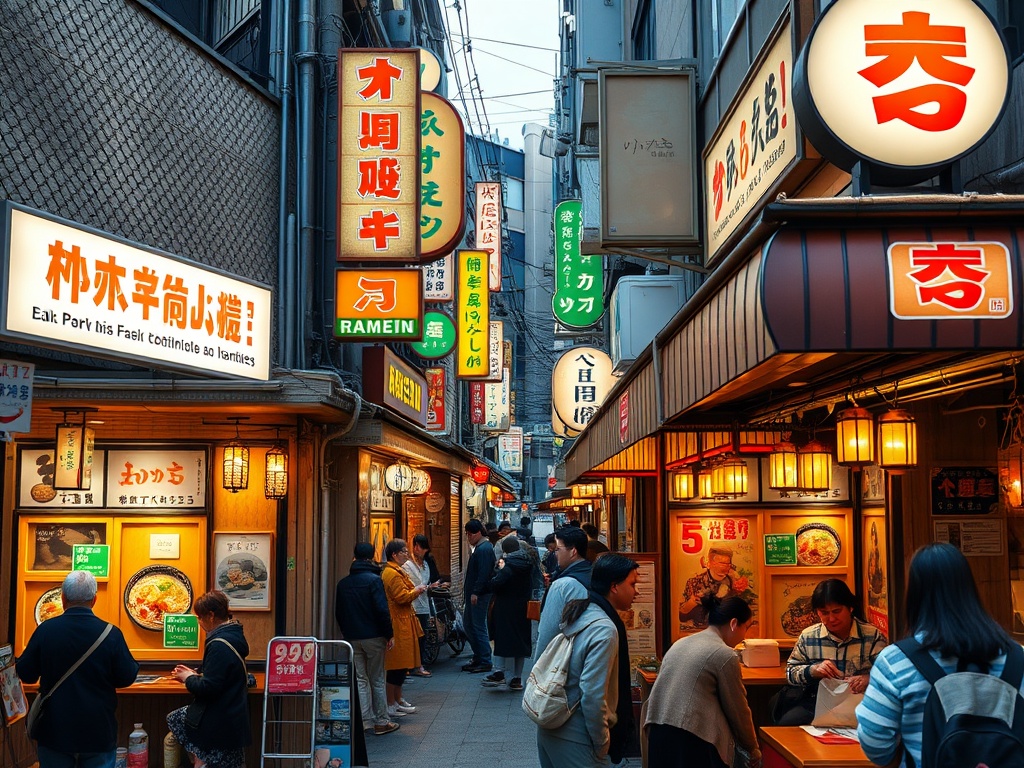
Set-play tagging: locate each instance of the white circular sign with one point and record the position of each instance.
(580, 381)
(907, 83)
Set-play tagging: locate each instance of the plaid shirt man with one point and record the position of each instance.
(853, 656)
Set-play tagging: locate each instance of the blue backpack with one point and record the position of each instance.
(971, 719)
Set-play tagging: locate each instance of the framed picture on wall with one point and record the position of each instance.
(242, 568)
(382, 530)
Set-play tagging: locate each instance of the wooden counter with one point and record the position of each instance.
(165, 684)
(751, 675)
(785, 747)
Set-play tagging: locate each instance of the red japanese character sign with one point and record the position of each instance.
(908, 85)
(291, 665)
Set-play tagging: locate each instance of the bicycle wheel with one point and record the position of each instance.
(431, 643)
(457, 642)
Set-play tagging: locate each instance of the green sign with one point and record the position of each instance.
(578, 301)
(94, 558)
(181, 630)
(439, 336)
(780, 549)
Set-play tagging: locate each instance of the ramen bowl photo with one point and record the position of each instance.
(154, 591)
(817, 544)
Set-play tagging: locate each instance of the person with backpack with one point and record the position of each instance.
(697, 713)
(948, 695)
(572, 583)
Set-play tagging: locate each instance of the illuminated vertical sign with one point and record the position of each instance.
(488, 227)
(436, 390)
(474, 316)
(442, 177)
(378, 155)
(578, 301)
(439, 280)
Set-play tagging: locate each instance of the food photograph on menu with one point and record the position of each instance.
(154, 591)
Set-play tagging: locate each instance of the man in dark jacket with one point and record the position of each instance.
(78, 726)
(478, 573)
(361, 608)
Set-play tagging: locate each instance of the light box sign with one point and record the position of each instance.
(16, 380)
(495, 337)
(36, 473)
(488, 227)
(476, 402)
(946, 280)
(442, 177)
(382, 304)
(439, 280)
(439, 336)
(578, 301)
(752, 147)
(430, 69)
(156, 479)
(580, 382)
(474, 316)
(510, 450)
(378, 155)
(73, 467)
(497, 404)
(390, 381)
(437, 389)
(907, 86)
(70, 287)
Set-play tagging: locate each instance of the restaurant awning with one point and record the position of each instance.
(819, 294)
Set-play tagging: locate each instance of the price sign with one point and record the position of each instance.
(181, 630)
(291, 665)
(94, 558)
(780, 549)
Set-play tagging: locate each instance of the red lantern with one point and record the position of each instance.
(480, 474)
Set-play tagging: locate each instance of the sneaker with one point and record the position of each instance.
(493, 680)
(394, 711)
(388, 727)
(470, 666)
(515, 684)
(479, 668)
(406, 709)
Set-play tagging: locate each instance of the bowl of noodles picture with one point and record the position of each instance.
(154, 591)
(817, 544)
(49, 605)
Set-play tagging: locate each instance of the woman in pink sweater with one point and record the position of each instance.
(697, 714)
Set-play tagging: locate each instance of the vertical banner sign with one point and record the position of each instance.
(497, 409)
(378, 155)
(442, 177)
(578, 301)
(436, 413)
(439, 280)
(510, 450)
(16, 380)
(488, 227)
(495, 336)
(476, 402)
(474, 316)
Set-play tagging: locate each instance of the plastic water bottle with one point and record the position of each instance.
(138, 748)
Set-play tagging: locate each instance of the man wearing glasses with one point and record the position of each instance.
(572, 582)
(478, 573)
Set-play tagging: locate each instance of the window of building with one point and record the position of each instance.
(644, 32)
(722, 15)
(514, 193)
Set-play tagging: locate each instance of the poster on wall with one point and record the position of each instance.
(381, 499)
(144, 478)
(35, 482)
(53, 543)
(13, 694)
(712, 554)
(641, 619)
(872, 480)
(975, 538)
(242, 568)
(382, 530)
(964, 490)
(791, 601)
(876, 581)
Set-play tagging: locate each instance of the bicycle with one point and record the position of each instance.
(442, 626)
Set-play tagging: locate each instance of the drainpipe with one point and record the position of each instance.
(305, 61)
(285, 269)
(325, 515)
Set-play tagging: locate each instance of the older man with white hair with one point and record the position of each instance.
(88, 697)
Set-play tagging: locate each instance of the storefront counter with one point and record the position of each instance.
(795, 748)
(158, 683)
(751, 676)
(761, 682)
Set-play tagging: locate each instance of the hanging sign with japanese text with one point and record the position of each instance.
(476, 402)
(752, 146)
(378, 304)
(964, 490)
(906, 86)
(437, 420)
(16, 379)
(94, 558)
(439, 280)
(439, 336)
(390, 381)
(495, 336)
(497, 404)
(158, 478)
(442, 177)
(70, 287)
(578, 301)
(378, 155)
(488, 227)
(474, 316)
(510, 450)
(580, 381)
(945, 280)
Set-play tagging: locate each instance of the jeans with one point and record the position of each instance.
(368, 659)
(475, 624)
(51, 758)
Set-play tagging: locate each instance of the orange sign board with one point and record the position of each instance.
(947, 280)
(442, 177)
(378, 155)
(378, 304)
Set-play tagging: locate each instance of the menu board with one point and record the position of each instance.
(641, 619)
(875, 587)
(13, 694)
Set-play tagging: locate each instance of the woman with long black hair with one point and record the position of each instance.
(946, 618)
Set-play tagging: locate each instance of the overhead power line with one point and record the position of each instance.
(506, 42)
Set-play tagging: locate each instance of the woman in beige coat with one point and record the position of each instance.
(405, 654)
(697, 713)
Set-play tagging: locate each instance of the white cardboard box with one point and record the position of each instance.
(759, 652)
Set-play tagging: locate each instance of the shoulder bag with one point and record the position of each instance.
(35, 712)
(194, 712)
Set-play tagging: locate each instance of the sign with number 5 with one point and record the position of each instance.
(291, 665)
(693, 536)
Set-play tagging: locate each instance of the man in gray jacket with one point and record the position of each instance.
(572, 582)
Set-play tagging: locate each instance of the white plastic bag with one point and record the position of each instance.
(836, 704)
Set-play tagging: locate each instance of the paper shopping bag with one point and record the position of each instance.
(836, 704)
